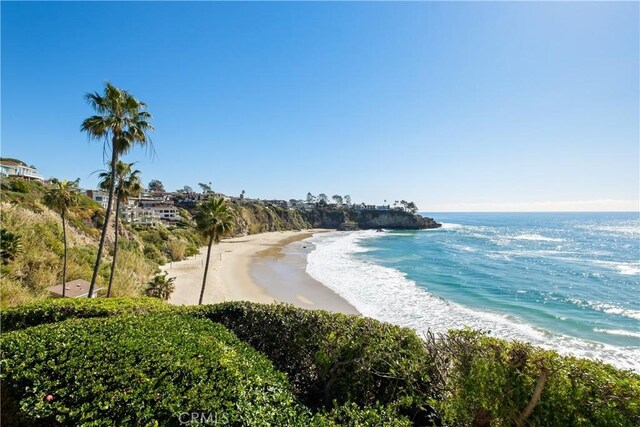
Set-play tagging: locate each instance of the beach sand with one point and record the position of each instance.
(264, 268)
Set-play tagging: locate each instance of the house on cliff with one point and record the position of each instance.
(14, 168)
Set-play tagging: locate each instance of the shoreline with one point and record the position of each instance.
(257, 268)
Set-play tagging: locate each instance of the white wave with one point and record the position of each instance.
(386, 294)
(450, 226)
(608, 308)
(536, 238)
(624, 268)
(618, 332)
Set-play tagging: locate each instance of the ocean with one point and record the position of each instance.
(563, 281)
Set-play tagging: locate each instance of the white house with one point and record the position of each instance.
(99, 196)
(18, 169)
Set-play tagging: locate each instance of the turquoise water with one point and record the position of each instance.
(567, 281)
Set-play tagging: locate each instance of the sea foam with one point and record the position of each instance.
(388, 295)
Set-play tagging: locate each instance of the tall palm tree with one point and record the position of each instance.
(213, 220)
(128, 184)
(121, 122)
(60, 198)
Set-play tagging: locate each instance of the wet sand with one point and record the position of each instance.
(265, 268)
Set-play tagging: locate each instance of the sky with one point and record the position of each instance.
(456, 106)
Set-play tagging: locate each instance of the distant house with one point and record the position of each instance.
(279, 203)
(14, 168)
(74, 289)
(137, 215)
(150, 211)
(99, 196)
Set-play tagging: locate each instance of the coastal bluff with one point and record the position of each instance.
(351, 219)
(253, 218)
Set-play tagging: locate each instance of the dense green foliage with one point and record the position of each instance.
(353, 371)
(59, 309)
(352, 415)
(140, 370)
(488, 381)
(332, 356)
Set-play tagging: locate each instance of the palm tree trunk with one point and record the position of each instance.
(112, 187)
(206, 269)
(115, 248)
(64, 262)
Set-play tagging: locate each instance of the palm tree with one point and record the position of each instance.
(161, 286)
(60, 198)
(128, 184)
(213, 220)
(121, 122)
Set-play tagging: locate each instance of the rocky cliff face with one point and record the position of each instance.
(254, 218)
(367, 219)
(394, 220)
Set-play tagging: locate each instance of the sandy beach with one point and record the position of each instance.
(264, 268)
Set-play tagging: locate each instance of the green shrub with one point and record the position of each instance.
(351, 415)
(332, 356)
(141, 370)
(58, 309)
(19, 186)
(488, 381)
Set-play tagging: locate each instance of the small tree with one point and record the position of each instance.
(242, 195)
(322, 199)
(311, 198)
(156, 185)
(161, 286)
(347, 199)
(60, 198)
(176, 249)
(338, 199)
(206, 188)
(411, 207)
(10, 245)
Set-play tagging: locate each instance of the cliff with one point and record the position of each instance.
(350, 219)
(254, 218)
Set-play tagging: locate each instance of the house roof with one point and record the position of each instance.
(10, 161)
(74, 289)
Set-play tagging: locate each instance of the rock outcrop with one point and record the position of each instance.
(252, 218)
(349, 219)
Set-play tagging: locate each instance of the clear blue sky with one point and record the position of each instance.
(456, 106)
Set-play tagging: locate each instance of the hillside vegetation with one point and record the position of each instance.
(33, 262)
(32, 244)
(143, 362)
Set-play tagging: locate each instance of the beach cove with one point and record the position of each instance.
(263, 268)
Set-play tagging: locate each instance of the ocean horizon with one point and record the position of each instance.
(567, 281)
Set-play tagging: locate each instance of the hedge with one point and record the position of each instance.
(140, 370)
(58, 309)
(352, 370)
(332, 357)
(484, 381)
